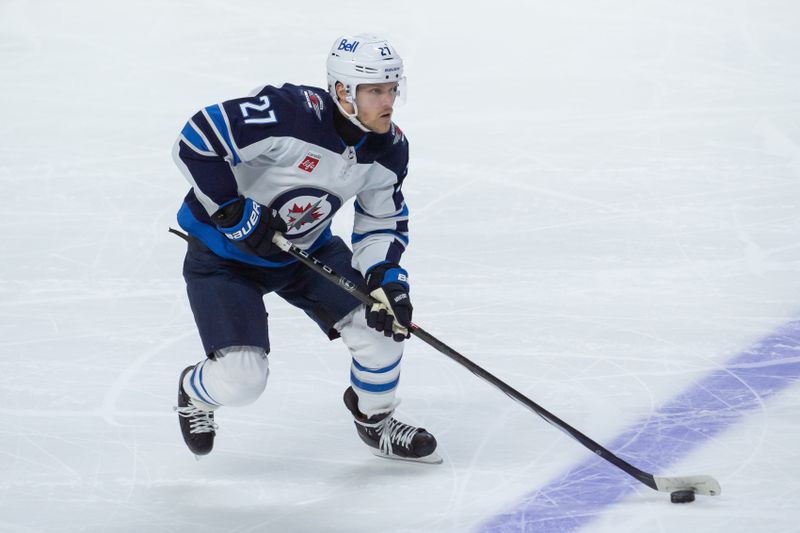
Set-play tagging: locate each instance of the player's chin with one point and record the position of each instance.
(382, 124)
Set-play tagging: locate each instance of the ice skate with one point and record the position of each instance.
(197, 424)
(390, 438)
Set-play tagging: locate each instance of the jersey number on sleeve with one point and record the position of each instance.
(247, 107)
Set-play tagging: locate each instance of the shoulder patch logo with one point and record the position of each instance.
(314, 103)
(310, 162)
(398, 134)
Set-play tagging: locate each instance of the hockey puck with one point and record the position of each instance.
(682, 496)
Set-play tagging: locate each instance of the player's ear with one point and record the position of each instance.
(341, 92)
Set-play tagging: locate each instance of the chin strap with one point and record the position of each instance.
(352, 118)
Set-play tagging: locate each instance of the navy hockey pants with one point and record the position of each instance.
(227, 297)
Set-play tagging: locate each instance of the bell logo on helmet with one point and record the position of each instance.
(348, 47)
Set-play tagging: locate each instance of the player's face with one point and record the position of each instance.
(375, 103)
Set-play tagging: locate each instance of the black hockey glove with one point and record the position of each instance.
(388, 283)
(249, 225)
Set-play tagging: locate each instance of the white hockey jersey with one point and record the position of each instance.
(280, 147)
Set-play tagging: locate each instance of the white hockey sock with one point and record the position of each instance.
(375, 370)
(237, 376)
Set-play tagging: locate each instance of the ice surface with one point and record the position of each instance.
(604, 201)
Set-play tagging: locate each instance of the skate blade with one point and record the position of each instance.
(432, 459)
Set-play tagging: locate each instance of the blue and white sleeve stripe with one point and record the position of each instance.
(219, 122)
(380, 235)
(196, 140)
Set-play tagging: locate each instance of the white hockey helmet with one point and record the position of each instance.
(359, 59)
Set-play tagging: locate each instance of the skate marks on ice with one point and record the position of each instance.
(678, 427)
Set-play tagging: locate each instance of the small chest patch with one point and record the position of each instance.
(310, 162)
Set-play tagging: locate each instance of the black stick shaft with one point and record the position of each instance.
(438, 345)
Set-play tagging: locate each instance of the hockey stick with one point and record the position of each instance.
(698, 484)
(706, 485)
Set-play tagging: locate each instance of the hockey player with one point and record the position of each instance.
(285, 160)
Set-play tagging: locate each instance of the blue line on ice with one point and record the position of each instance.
(681, 425)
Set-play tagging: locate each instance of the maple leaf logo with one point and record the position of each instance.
(296, 212)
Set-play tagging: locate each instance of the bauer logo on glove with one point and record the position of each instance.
(251, 230)
(252, 222)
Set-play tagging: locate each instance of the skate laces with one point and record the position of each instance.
(394, 432)
(200, 420)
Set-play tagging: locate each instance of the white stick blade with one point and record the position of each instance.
(706, 485)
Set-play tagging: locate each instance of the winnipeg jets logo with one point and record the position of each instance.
(299, 216)
(306, 209)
